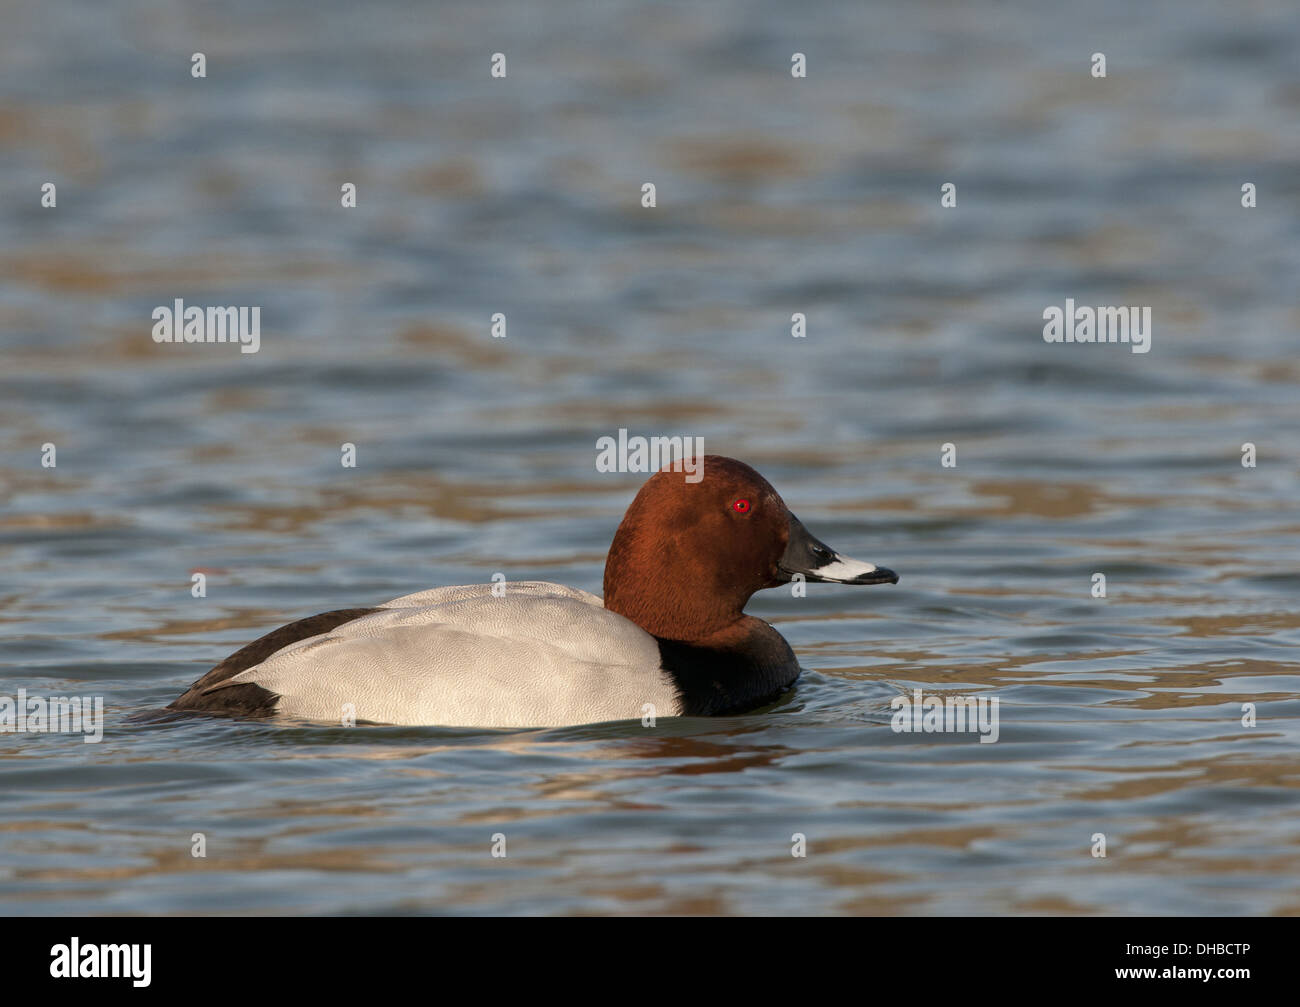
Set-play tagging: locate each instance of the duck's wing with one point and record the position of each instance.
(249, 700)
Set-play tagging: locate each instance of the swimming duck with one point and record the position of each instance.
(670, 638)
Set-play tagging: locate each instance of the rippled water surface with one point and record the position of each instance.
(1121, 716)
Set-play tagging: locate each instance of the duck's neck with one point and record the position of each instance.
(665, 602)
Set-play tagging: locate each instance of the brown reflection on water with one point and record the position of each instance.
(87, 270)
(1225, 769)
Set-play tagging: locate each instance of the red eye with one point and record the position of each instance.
(741, 506)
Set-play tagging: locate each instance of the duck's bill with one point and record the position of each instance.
(816, 561)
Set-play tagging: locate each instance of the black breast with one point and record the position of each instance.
(730, 679)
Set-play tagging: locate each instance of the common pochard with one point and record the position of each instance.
(670, 638)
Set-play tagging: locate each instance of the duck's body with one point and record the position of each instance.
(669, 639)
